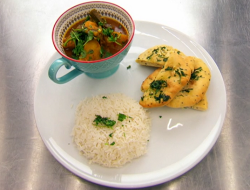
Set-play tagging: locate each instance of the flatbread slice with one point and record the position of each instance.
(163, 84)
(157, 56)
(201, 105)
(195, 89)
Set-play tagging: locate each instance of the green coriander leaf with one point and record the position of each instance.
(169, 69)
(79, 48)
(91, 51)
(121, 116)
(114, 39)
(83, 54)
(107, 31)
(158, 84)
(103, 121)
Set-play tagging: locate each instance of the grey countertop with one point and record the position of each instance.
(221, 27)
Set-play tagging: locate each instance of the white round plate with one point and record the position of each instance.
(179, 139)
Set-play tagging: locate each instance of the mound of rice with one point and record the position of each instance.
(111, 147)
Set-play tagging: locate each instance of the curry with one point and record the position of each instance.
(94, 37)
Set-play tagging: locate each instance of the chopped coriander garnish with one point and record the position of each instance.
(114, 38)
(180, 73)
(160, 116)
(158, 84)
(165, 59)
(104, 97)
(186, 90)
(121, 116)
(111, 134)
(194, 75)
(107, 31)
(162, 97)
(103, 121)
(169, 69)
(113, 143)
(89, 37)
(149, 57)
(128, 67)
(155, 51)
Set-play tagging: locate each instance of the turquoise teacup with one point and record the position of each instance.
(96, 69)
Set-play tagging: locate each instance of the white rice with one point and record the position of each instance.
(129, 137)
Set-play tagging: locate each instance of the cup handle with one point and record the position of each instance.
(54, 68)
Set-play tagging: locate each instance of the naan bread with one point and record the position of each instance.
(201, 105)
(164, 83)
(157, 55)
(195, 89)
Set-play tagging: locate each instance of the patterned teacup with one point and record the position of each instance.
(96, 69)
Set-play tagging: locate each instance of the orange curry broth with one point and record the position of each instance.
(110, 47)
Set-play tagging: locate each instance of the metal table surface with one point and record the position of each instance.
(221, 27)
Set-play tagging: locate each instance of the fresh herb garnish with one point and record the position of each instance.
(128, 67)
(101, 23)
(105, 54)
(155, 51)
(180, 73)
(161, 56)
(149, 57)
(142, 98)
(104, 97)
(121, 116)
(103, 121)
(169, 68)
(111, 134)
(186, 90)
(194, 75)
(165, 59)
(89, 37)
(114, 38)
(158, 84)
(113, 143)
(107, 31)
(162, 97)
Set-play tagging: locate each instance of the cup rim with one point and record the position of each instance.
(100, 60)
